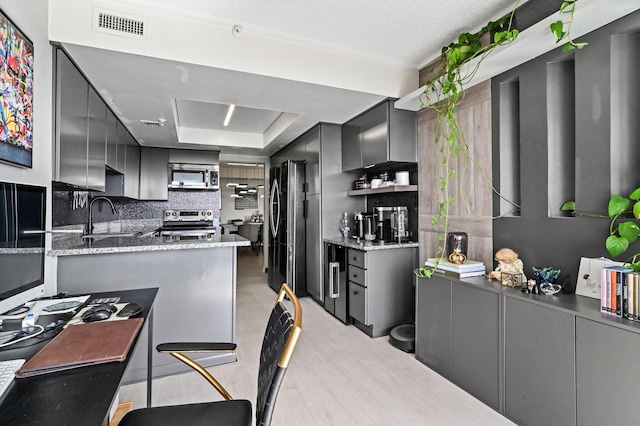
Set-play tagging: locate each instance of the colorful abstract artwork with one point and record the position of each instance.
(16, 95)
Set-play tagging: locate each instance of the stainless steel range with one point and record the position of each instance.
(187, 224)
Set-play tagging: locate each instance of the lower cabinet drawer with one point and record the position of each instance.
(357, 275)
(357, 258)
(358, 302)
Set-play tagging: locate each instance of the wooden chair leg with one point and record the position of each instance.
(123, 408)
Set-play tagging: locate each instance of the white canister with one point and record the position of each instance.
(375, 183)
(402, 178)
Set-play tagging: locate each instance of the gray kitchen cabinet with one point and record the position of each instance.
(539, 365)
(374, 135)
(380, 284)
(113, 143)
(475, 342)
(154, 173)
(313, 145)
(433, 324)
(122, 135)
(194, 156)
(132, 169)
(458, 333)
(379, 135)
(606, 374)
(351, 145)
(71, 134)
(96, 140)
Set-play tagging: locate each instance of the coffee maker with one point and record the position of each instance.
(365, 228)
(392, 223)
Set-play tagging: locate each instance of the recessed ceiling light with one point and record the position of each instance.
(243, 164)
(229, 114)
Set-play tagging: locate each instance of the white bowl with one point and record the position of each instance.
(375, 183)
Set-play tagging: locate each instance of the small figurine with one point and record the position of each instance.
(509, 263)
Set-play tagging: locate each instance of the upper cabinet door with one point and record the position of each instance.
(375, 135)
(72, 93)
(112, 140)
(352, 145)
(154, 173)
(96, 148)
(132, 168)
(122, 135)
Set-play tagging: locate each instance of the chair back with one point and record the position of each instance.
(280, 339)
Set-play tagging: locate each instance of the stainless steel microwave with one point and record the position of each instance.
(194, 176)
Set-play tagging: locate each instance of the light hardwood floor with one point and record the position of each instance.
(337, 376)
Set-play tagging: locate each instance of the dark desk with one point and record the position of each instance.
(81, 396)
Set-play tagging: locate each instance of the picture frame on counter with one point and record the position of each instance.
(16, 95)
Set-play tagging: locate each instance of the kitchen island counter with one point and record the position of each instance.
(368, 245)
(196, 279)
(103, 245)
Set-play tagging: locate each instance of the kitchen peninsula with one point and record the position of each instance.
(196, 279)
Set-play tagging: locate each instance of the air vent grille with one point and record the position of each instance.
(118, 23)
(152, 123)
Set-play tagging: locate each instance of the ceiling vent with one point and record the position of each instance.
(116, 23)
(153, 123)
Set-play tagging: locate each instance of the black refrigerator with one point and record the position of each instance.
(287, 208)
(335, 282)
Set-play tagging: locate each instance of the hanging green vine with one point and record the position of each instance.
(459, 63)
(562, 29)
(624, 226)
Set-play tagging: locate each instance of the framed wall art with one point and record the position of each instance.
(16, 94)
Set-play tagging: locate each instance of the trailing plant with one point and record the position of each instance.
(562, 29)
(459, 62)
(623, 214)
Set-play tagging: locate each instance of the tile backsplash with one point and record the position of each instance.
(64, 213)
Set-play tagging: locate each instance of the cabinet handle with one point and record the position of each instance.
(355, 292)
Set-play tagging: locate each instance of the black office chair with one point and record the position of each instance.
(280, 338)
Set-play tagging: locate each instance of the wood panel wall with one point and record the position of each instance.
(474, 117)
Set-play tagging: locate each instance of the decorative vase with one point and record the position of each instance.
(457, 244)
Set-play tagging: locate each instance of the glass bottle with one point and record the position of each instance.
(344, 226)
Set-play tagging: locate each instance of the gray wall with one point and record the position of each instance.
(573, 114)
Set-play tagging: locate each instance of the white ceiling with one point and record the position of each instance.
(192, 97)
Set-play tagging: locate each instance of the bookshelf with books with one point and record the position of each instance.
(619, 292)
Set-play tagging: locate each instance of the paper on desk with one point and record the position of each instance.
(39, 305)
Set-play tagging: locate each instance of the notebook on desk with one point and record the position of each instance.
(84, 344)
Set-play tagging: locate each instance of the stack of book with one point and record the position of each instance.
(619, 292)
(470, 268)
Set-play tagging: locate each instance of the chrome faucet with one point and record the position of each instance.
(89, 229)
